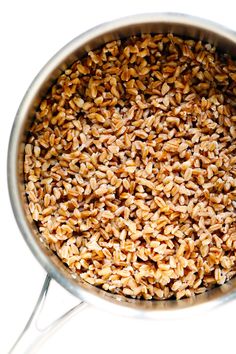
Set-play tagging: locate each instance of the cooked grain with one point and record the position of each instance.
(130, 167)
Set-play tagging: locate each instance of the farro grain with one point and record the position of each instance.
(130, 167)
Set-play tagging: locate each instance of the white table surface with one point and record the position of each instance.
(31, 32)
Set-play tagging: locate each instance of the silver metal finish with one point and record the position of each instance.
(33, 336)
(178, 24)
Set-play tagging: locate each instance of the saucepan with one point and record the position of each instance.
(197, 28)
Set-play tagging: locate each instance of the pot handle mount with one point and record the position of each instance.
(33, 336)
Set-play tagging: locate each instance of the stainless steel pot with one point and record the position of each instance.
(179, 24)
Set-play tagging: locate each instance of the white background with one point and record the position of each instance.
(30, 33)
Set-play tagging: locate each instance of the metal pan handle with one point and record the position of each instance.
(32, 336)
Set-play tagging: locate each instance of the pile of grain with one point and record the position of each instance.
(130, 167)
